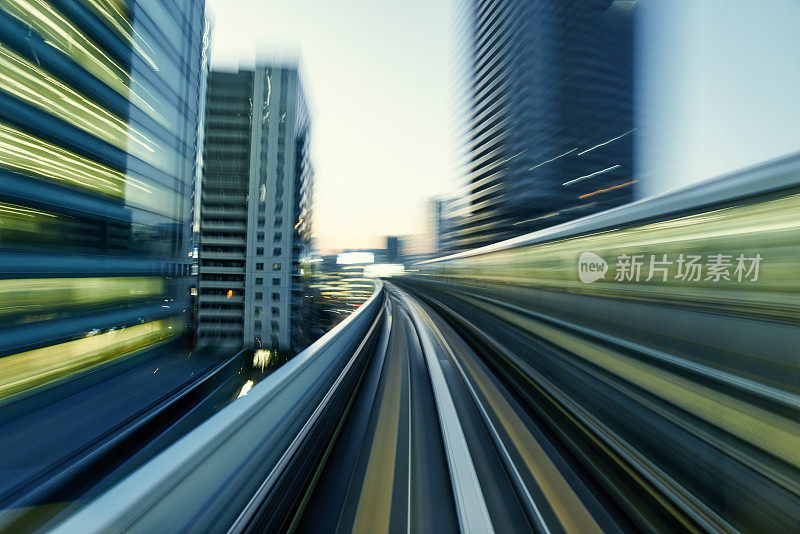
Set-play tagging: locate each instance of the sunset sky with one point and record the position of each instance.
(379, 83)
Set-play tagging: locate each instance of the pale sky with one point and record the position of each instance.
(718, 86)
(378, 77)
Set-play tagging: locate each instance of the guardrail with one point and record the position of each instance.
(249, 465)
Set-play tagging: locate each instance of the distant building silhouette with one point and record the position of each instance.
(440, 225)
(393, 251)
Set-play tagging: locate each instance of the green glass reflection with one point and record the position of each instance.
(769, 230)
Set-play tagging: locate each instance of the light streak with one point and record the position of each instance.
(587, 195)
(593, 174)
(604, 143)
(553, 159)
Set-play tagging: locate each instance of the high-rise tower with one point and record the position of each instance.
(255, 208)
(99, 109)
(547, 125)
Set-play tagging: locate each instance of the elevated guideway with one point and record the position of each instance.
(506, 389)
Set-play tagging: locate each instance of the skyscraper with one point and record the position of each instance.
(255, 208)
(98, 143)
(547, 128)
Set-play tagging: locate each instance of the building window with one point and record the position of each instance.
(279, 206)
(259, 266)
(278, 236)
(274, 325)
(278, 222)
(276, 281)
(258, 310)
(276, 251)
(275, 311)
(261, 221)
(259, 296)
(259, 281)
(257, 325)
(262, 208)
(259, 251)
(260, 236)
(276, 266)
(276, 297)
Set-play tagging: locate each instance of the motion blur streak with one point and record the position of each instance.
(67, 36)
(25, 370)
(770, 228)
(617, 402)
(396, 422)
(562, 498)
(678, 388)
(760, 427)
(557, 358)
(29, 83)
(20, 223)
(29, 295)
(27, 154)
(100, 111)
(115, 15)
(62, 34)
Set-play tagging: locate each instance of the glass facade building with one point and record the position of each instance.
(547, 94)
(99, 136)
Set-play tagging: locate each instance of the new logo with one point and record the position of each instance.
(591, 267)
